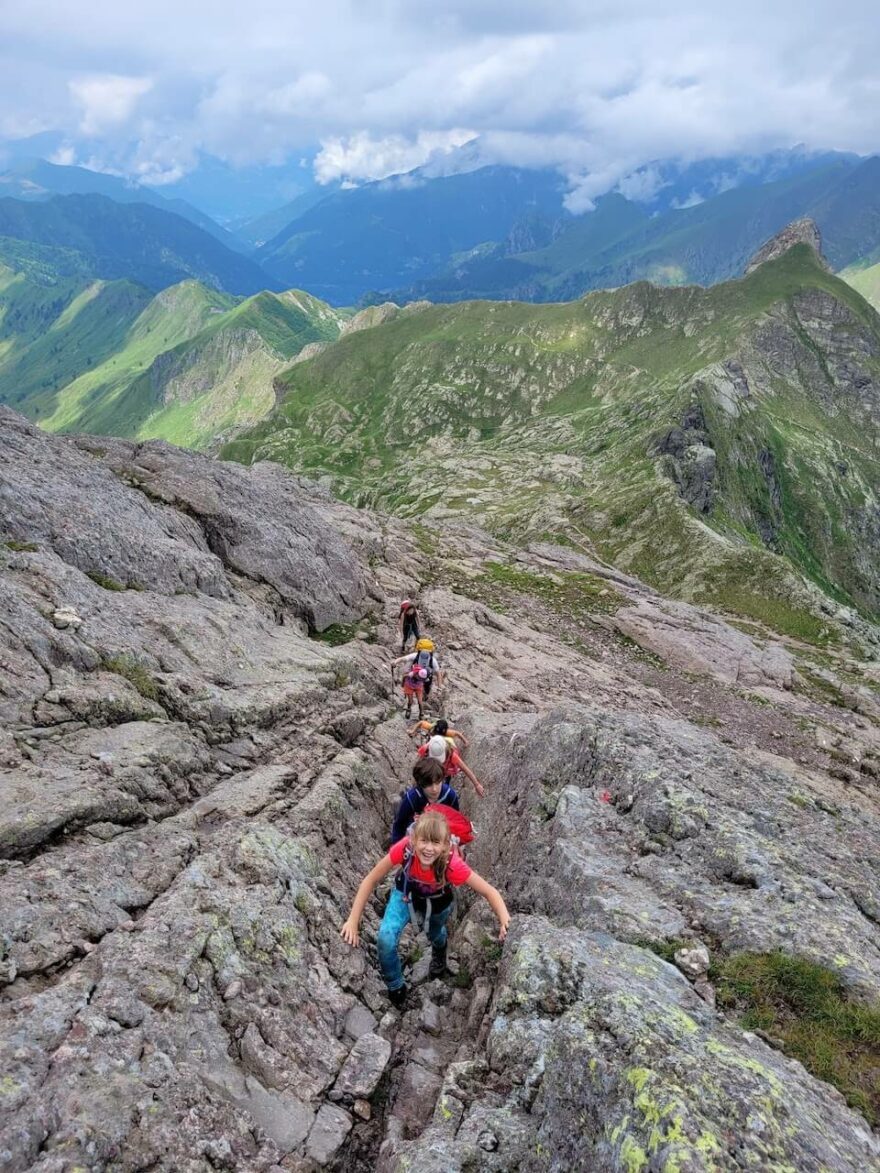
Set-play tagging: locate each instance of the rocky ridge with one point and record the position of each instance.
(193, 778)
(720, 444)
(803, 231)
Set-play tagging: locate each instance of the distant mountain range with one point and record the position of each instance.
(93, 236)
(85, 343)
(37, 180)
(505, 233)
(480, 232)
(406, 229)
(620, 242)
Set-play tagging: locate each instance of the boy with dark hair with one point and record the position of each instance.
(430, 786)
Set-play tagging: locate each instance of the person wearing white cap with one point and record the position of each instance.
(448, 756)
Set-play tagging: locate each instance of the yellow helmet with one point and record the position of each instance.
(425, 645)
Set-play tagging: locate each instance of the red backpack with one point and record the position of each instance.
(461, 829)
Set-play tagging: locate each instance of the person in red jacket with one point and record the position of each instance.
(444, 752)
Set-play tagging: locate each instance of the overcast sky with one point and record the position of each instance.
(369, 89)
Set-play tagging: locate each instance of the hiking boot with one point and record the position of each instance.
(408, 711)
(437, 967)
(398, 997)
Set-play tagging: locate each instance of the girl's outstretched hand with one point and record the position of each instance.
(350, 934)
(480, 788)
(504, 925)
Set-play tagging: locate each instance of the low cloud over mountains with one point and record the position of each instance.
(371, 91)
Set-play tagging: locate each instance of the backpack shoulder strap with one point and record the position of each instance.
(407, 869)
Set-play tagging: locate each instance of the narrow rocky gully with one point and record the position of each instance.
(192, 786)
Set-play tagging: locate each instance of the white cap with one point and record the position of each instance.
(437, 748)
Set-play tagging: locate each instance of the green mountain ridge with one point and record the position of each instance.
(865, 277)
(720, 443)
(188, 365)
(51, 334)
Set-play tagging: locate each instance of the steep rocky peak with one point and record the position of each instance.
(803, 231)
(374, 315)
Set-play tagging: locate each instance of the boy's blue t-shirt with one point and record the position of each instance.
(413, 803)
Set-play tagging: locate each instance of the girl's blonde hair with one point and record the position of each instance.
(433, 828)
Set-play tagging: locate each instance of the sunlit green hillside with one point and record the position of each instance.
(188, 365)
(866, 279)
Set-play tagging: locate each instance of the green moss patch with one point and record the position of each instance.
(342, 633)
(806, 1008)
(104, 581)
(665, 948)
(22, 547)
(821, 689)
(572, 594)
(135, 673)
(775, 612)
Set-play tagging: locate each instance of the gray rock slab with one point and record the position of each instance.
(699, 642)
(259, 522)
(285, 1118)
(364, 1066)
(428, 1053)
(359, 1021)
(416, 1098)
(332, 1125)
(432, 1017)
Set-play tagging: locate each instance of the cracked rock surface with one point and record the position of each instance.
(192, 785)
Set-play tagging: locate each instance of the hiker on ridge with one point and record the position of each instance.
(414, 680)
(430, 868)
(442, 750)
(423, 657)
(428, 729)
(408, 624)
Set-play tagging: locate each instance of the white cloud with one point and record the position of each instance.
(65, 156)
(107, 101)
(594, 89)
(642, 184)
(692, 200)
(362, 157)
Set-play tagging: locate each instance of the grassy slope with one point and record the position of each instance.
(866, 279)
(195, 365)
(52, 334)
(542, 419)
(169, 319)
